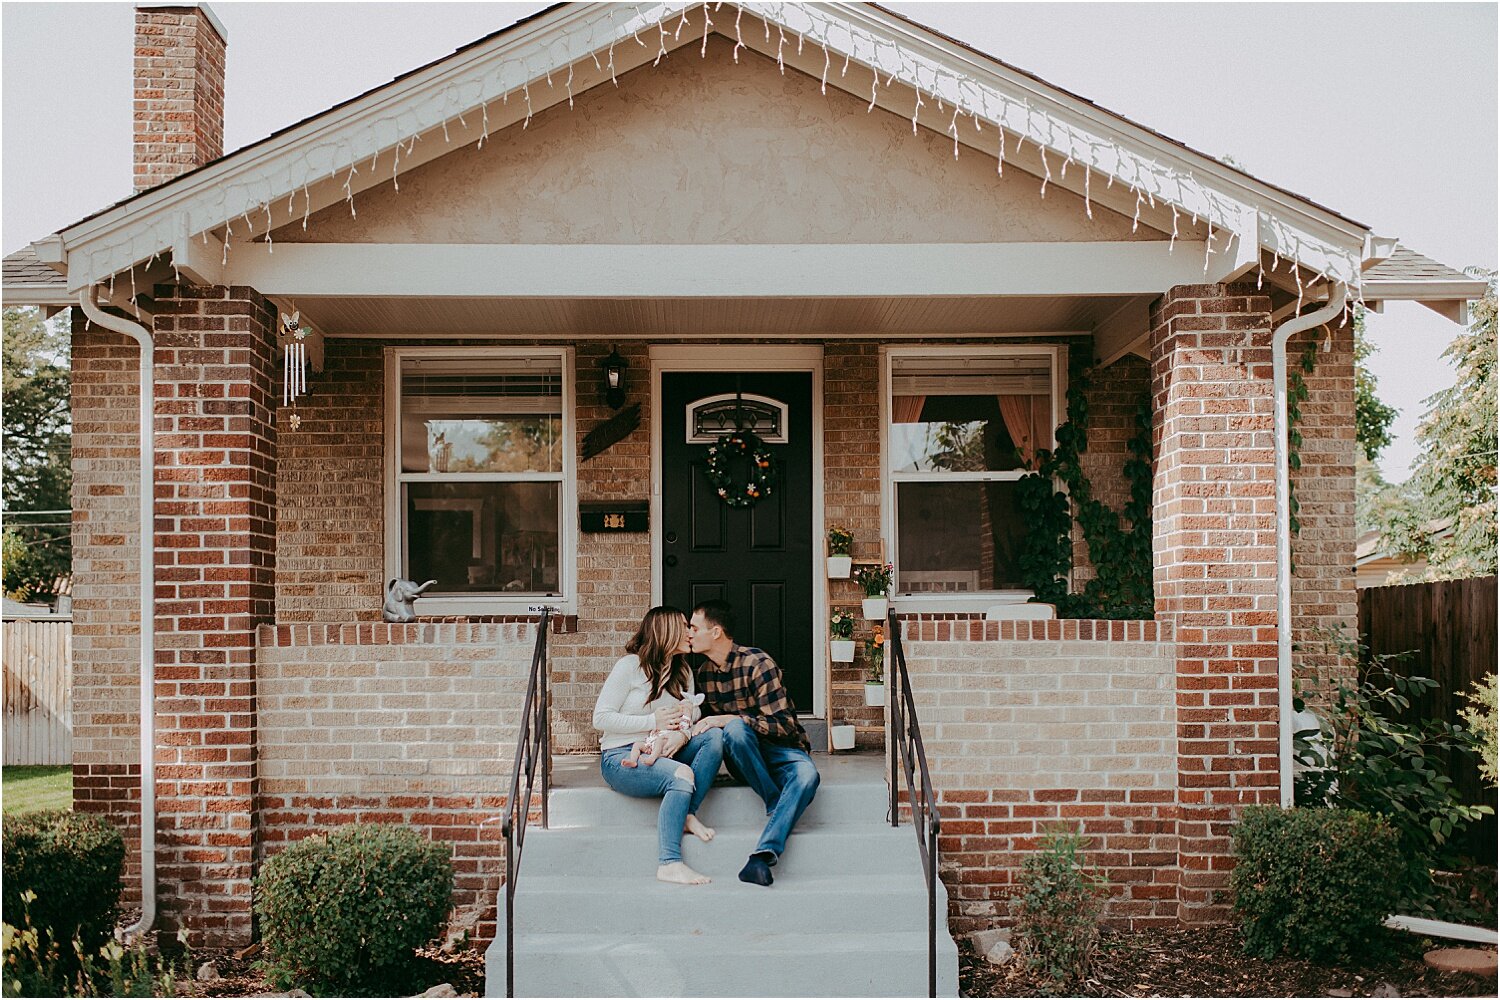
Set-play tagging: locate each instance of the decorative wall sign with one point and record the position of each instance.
(609, 516)
(613, 430)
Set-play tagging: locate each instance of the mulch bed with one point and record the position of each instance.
(241, 977)
(1211, 962)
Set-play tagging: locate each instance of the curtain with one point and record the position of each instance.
(907, 409)
(1026, 420)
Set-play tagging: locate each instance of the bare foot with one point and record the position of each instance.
(695, 826)
(680, 874)
(627, 762)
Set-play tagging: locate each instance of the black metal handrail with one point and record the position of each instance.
(533, 744)
(907, 754)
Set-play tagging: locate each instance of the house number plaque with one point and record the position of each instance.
(596, 516)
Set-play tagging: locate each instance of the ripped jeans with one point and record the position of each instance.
(682, 784)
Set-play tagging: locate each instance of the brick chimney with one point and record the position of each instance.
(179, 90)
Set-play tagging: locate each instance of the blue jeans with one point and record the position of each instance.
(784, 777)
(680, 796)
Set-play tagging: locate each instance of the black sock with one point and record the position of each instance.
(757, 870)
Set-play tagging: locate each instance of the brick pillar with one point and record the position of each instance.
(215, 554)
(1214, 547)
(179, 90)
(1323, 593)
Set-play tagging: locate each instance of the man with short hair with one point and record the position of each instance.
(763, 742)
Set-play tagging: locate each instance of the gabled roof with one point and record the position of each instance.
(538, 62)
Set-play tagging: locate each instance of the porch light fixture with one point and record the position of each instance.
(614, 378)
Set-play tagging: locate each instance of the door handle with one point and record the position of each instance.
(670, 560)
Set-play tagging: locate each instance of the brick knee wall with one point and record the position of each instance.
(1033, 725)
(412, 724)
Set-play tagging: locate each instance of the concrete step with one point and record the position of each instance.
(726, 806)
(813, 904)
(863, 850)
(842, 961)
(847, 915)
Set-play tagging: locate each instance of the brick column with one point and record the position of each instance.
(215, 555)
(1215, 566)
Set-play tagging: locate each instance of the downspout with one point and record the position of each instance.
(142, 337)
(1279, 338)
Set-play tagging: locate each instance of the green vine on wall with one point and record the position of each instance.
(1119, 548)
(1296, 395)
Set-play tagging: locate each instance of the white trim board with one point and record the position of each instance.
(762, 358)
(653, 271)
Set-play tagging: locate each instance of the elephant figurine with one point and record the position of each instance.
(401, 600)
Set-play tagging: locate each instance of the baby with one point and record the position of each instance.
(662, 742)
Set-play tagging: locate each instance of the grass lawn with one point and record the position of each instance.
(29, 788)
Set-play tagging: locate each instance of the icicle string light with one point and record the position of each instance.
(499, 73)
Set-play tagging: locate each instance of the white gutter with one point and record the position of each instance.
(148, 603)
(1443, 929)
(1279, 338)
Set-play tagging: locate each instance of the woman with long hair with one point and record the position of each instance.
(649, 689)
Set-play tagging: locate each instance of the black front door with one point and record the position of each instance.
(757, 558)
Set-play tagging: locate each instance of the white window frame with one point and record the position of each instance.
(567, 542)
(978, 601)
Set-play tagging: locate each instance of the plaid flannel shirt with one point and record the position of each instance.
(749, 685)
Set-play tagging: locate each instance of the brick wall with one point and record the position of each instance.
(179, 92)
(1323, 593)
(1112, 398)
(411, 724)
(1215, 565)
(330, 514)
(106, 583)
(1026, 734)
(851, 497)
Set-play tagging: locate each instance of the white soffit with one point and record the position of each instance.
(548, 59)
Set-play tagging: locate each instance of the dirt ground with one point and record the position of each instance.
(1210, 962)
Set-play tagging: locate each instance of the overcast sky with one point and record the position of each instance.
(1383, 112)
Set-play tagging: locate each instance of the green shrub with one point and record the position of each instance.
(344, 913)
(1379, 763)
(72, 862)
(1483, 718)
(1315, 883)
(1060, 905)
(34, 967)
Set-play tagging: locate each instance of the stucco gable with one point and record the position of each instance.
(709, 150)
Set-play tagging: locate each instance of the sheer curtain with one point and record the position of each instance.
(1026, 419)
(907, 409)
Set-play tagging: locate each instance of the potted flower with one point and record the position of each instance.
(840, 541)
(875, 674)
(841, 637)
(876, 581)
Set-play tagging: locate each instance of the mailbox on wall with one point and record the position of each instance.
(609, 517)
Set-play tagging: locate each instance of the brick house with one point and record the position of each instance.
(825, 220)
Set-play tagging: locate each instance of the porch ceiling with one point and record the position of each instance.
(894, 316)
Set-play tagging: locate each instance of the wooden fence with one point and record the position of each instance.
(38, 691)
(1451, 627)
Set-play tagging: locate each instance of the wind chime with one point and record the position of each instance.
(294, 364)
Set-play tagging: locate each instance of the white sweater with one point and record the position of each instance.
(622, 713)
